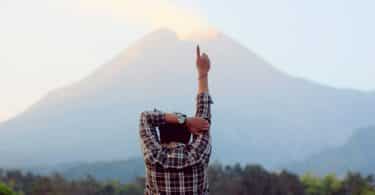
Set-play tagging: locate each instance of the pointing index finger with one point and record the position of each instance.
(198, 52)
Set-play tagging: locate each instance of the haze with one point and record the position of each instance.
(49, 44)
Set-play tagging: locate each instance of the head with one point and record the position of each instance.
(174, 133)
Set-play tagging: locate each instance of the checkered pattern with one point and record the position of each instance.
(181, 169)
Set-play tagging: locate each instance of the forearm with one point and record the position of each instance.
(153, 118)
(152, 150)
(203, 84)
(156, 118)
(171, 118)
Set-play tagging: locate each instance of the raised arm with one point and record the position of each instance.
(204, 101)
(202, 141)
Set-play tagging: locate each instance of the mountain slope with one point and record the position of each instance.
(355, 155)
(124, 171)
(263, 114)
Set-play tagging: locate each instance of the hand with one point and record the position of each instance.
(197, 125)
(203, 63)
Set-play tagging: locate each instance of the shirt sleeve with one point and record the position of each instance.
(182, 155)
(202, 142)
(149, 120)
(203, 106)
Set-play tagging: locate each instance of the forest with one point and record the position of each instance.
(224, 180)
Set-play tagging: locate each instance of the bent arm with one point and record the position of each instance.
(149, 120)
(178, 157)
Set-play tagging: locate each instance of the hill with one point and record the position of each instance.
(356, 155)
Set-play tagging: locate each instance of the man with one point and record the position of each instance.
(173, 164)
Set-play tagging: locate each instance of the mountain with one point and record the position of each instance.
(261, 114)
(124, 171)
(357, 154)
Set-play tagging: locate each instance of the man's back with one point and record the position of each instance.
(189, 180)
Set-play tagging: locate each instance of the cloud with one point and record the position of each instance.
(154, 14)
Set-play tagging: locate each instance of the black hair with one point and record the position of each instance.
(174, 133)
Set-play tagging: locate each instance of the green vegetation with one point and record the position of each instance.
(224, 180)
(5, 190)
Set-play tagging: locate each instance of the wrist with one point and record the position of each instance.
(202, 76)
(187, 123)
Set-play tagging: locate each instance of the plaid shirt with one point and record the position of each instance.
(181, 169)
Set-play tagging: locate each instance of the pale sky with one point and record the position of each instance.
(46, 44)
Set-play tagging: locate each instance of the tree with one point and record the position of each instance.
(354, 183)
(5, 190)
(331, 185)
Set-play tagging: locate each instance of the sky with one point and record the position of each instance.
(47, 44)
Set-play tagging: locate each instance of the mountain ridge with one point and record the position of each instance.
(285, 116)
(355, 155)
